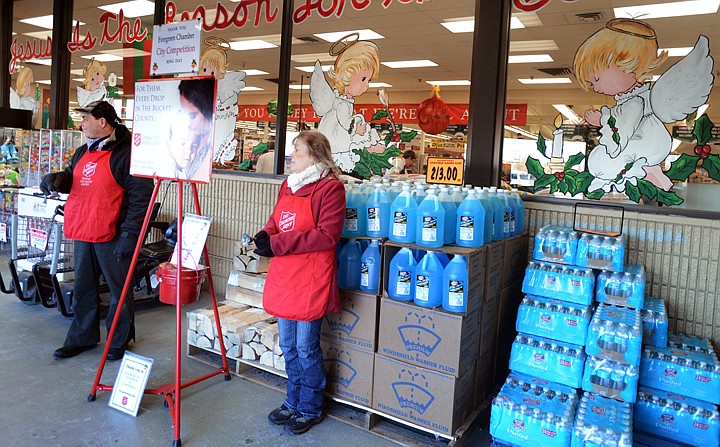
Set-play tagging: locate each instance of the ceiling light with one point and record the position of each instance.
(365, 34)
(467, 24)
(44, 81)
(521, 132)
(253, 44)
(568, 113)
(103, 57)
(78, 71)
(676, 52)
(42, 35)
(134, 8)
(299, 87)
(79, 79)
(251, 89)
(126, 52)
(527, 58)
(40, 61)
(410, 64)
(442, 83)
(545, 81)
(533, 45)
(311, 68)
(312, 57)
(253, 72)
(675, 9)
(45, 21)
(379, 85)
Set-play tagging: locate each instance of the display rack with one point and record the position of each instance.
(44, 151)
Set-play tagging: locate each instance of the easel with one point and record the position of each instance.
(170, 391)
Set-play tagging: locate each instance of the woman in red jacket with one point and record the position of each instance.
(301, 286)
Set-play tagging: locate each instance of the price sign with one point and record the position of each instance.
(448, 171)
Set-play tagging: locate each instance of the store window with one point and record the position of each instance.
(600, 125)
(383, 81)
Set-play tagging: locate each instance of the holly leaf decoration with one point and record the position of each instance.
(407, 136)
(554, 185)
(574, 160)
(668, 198)
(595, 195)
(712, 166)
(534, 168)
(260, 148)
(543, 181)
(380, 114)
(703, 130)
(244, 165)
(541, 146)
(583, 181)
(647, 189)
(681, 168)
(571, 183)
(633, 192)
(563, 186)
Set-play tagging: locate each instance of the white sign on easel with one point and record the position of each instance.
(130, 383)
(176, 48)
(195, 231)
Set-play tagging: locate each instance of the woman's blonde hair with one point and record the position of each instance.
(89, 71)
(25, 75)
(629, 44)
(318, 149)
(214, 56)
(358, 56)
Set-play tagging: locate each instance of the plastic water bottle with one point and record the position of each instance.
(455, 285)
(370, 268)
(519, 211)
(401, 276)
(428, 281)
(430, 226)
(349, 266)
(391, 188)
(450, 215)
(443, 257)
(487, 206)
(504, 196)
(606, 249)
(457, 195)
(378, 213)
(355, 213)
(470, 222)
(366, 188)
(561, 243)
(465, 191)
(403, 217)
(419, 193)
(498, 215)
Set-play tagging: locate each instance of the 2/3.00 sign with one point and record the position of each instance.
(448, 171)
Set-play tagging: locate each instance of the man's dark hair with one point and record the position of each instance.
(101, 109)
(410, 154)
(201, 93)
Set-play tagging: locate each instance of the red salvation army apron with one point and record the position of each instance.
(93, 206)
(298, 285)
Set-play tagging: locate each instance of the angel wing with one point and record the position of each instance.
(14, 99)
(83, 97)
(321, 95)
(230, 85)
(685, 86)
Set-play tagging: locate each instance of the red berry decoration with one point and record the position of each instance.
(560, 176)
(433, 114)
(402, 146)
(698, 150)
(395, 137)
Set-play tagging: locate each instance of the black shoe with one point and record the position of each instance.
(116, 353)
(70, 351)
(281, 415)
(300, 424)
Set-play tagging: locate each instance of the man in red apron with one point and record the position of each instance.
(301, 286)
(103, 214)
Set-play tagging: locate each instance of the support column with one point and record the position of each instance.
(159, 18)
(6, 26)
(491, 41)
(283, 85)
(60, 70)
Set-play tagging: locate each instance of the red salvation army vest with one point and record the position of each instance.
(93, 206)
(298, 285)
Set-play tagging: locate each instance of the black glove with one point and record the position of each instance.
(125, 245)
(262, 244)
(47, 185)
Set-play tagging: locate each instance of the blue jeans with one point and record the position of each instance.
(300, 344)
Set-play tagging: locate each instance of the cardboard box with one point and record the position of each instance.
(484, 379)
(494, 270)
(476, 265)
(434, 339)
(356, 324)
(489, 318)
(435, 401)
(515, 259)
(349, 372)
(510, 300)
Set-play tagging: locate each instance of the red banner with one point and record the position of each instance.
(516, 114)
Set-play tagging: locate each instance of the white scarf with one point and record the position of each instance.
(311, 174)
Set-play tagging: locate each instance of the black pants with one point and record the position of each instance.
(92, 259)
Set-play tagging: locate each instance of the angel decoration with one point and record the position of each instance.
(213, 62)
(94, 84)
(356, 64)
(24, 98)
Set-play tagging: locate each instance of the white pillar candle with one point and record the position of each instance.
(557, 143)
